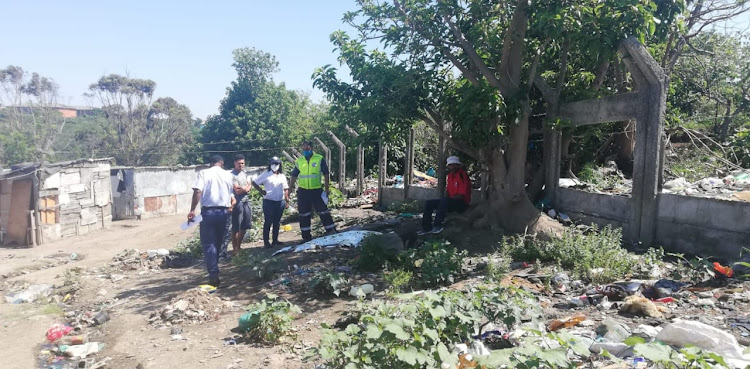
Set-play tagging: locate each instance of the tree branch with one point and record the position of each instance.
(471, 52)
(436, 122)
(511, 60)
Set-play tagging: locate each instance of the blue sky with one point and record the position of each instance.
(185, 46)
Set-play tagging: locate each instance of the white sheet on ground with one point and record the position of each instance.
(346, 239)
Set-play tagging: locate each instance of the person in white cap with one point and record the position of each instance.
(456, 199)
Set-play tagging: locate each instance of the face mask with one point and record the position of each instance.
(274, 167)
(307, 153)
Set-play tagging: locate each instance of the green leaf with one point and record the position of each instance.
(634, 340)
(397, 331)
(554, 357)
(373, 332)
(407, 355)
(445, 354)
(653, 351)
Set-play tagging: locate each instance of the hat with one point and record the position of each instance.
(453, 160)
(275, 160)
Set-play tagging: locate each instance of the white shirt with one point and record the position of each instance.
(216, 187)
(274, 184)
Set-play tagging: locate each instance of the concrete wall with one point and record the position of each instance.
(157, 191)
(691, 225)
(593, 208)
(704, 226)
(392, 195)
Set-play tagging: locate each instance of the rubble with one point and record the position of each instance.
(192, 306)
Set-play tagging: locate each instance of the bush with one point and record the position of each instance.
(327, 284)
(398, 280)
(435, 263)
(270, 320)
(418, 332)
(597, 257)
(191, 246)
(261, 267)
(373, 254)
(411, 207)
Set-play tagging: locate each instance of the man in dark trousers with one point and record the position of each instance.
(457, 198)
(215, 191)
(310, 170)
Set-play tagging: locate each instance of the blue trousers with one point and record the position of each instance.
(212, 231)
(440, 207)
(306, 201)
(272, 212)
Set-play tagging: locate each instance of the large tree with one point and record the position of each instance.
(467, 69)
(31, 122)
(140, 131)
(257, 115)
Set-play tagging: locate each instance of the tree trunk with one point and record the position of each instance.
(625, 146)
(725, 124)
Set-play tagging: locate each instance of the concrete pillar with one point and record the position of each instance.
(651, 84)
(342, 161)
(382, 169)
(360, 162)
(552, 160)
(409, 162)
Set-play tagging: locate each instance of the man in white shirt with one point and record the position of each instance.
(214, 189)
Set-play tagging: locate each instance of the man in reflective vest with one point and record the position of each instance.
(309, 171)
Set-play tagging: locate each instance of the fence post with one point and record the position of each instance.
(287, 156)
(360, 162)
(382, 169)
(326, 151)
(342, 161)
(409, 163)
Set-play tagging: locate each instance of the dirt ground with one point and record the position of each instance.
(130, 340)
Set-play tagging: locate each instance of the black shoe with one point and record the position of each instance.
(267, 245)
(215, 282)
(277, 243)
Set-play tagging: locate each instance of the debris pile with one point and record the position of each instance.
(735, 186)
(136, 260)
(192, 306)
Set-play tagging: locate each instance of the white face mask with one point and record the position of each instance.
(274, 167)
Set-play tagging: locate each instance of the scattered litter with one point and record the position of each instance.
(346, 239)
(566, 322)
(30, 294)
(640, 305)
(192, 306)
(362, 290)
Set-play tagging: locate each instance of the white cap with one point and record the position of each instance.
(453, 160)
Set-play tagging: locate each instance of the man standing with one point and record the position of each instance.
(457, 198)
(310, 168)
(242, 214)
(213, 188)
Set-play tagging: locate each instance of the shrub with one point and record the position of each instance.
(261, 267)
(191, 246)
(270, 320)
(327, 284)
(398, 280)
(434, 263)
(418, 332)
(597, 257)
(373, 254)
(411, 207)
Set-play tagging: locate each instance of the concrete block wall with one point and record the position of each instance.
(421, 194)
(690, 225)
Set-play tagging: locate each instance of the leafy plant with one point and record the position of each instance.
(416, 333)
(261, 267)
(273, 319)
(652, 259)
(497, 266)
(191, 246)
(398, 280)
(698, 269)
(410, 206)
(326, 283)
(597, 257)
(373, 254)
(434, 263)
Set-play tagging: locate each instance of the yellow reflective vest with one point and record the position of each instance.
(310, 177)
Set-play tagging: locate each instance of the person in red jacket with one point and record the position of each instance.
(457, 198)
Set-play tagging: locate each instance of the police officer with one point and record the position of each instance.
(309, 170)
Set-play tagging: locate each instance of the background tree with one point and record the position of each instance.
(467, 68)
(258, 116)
(30, 121)
(140, 131)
